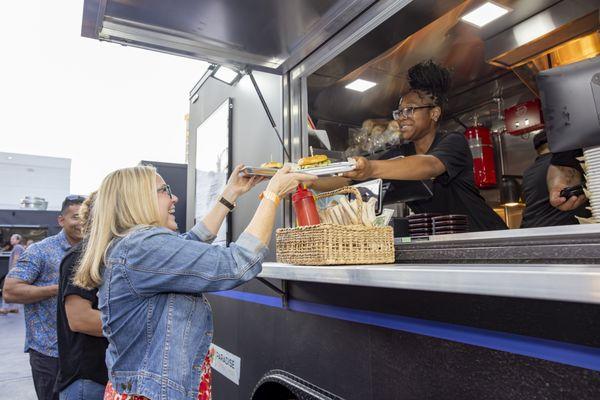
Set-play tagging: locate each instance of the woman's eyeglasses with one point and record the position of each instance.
(408, 112)
(166, 189)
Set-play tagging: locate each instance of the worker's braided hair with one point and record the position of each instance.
(432, 80)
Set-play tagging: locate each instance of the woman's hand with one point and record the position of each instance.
(284, 181)
(239, 184)
(363, 170)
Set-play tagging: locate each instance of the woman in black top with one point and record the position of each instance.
(444, 158)
(81, 347)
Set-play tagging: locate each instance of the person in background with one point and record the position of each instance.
(82, 373)
(34, 282)
(539, 211)
(29, 243)
(17, 250)
(565, 171)
(154, 314)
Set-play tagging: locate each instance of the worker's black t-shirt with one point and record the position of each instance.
(538, 211)
(568, 159)
(80, 356)
(454, 191)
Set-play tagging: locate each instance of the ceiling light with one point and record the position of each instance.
(485, 14)
(226, 75)
(360, 85)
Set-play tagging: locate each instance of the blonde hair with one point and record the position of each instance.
(126, 200)
(85, 213)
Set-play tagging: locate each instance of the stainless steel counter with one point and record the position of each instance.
(578, 283)
(548, 232)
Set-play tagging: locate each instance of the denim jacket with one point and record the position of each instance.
(154, 315)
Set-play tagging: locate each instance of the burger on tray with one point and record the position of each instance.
(319, 165)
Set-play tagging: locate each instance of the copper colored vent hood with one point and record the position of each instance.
(547, 32)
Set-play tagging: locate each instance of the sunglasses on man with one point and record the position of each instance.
(75, 197)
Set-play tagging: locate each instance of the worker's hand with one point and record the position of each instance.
(284, 181)
(559, 177)
(362, 171)
(564, 204)
(239, 184)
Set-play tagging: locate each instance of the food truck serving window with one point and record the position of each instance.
(357, 121)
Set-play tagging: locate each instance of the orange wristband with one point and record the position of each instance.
(270, 196)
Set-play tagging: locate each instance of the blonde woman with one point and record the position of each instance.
(154, 315)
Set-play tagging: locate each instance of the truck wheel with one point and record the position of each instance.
(281, 385)
(273, 391)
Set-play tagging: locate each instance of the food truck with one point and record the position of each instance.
(504, 314)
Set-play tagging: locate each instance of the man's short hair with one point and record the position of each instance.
(71, 200)
(539, 140)
(19, 237)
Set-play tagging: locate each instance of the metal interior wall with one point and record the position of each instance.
(421, 30)
(424, 30)
(253, 137)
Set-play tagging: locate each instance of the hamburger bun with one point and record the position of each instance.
(313, 161)
(272, 164)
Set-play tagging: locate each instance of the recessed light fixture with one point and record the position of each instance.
(485, 14)
(360, 85)
(226, 75)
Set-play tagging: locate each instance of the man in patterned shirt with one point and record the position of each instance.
(34, 282)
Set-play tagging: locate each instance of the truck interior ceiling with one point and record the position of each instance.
(493, 70)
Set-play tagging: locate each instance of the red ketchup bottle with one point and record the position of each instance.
(305, 207)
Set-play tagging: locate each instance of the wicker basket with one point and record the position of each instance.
(328, 244)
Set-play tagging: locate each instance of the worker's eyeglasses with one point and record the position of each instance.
(408, 112)
(166, 189)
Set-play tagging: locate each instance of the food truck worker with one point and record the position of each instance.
(539, 210)
(445, 159)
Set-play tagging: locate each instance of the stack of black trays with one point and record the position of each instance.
(428, 224)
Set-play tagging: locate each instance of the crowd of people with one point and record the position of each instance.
(110, 300)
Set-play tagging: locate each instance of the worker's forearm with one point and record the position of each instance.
(561, 177)
(329, 183)
(16, 291)
(215, 217)
(261, 225)
(411, 168)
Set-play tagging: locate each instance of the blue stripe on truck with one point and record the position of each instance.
(550, 350)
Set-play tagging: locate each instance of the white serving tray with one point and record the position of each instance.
(331, 169)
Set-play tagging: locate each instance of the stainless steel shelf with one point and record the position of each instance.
(578, 283)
